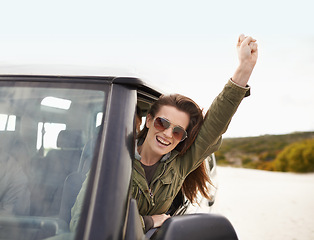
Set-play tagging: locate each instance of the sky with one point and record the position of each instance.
(188, 47)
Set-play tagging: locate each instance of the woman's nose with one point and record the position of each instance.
(168, 132)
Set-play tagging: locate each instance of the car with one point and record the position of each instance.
(58, 124)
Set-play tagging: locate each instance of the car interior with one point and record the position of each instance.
(44, 132)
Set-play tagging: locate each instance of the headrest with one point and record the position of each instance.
(70, 139)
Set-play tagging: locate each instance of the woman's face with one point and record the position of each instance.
(162, 142)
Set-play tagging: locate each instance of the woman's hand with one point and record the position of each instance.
(247, 51)
(247, 54)
(159, 219)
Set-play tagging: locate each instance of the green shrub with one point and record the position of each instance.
(296, 157)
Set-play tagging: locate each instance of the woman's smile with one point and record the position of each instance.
(163, 141)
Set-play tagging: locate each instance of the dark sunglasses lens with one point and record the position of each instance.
(179, 133)
(161, 124)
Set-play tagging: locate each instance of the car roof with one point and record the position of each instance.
(68, 72)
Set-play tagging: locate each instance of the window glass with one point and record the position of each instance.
(11, 123)
(7, 122)
(47, 135)
(99, 118)
(44, 128)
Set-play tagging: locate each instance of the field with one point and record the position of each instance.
(266, 205)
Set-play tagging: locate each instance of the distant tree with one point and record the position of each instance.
(296, 157)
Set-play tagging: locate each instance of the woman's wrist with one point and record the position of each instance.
(242, 74)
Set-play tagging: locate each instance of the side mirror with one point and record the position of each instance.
(196, 226)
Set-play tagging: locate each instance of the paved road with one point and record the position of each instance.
(266, 205)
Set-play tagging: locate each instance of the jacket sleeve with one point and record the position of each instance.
(216, 122)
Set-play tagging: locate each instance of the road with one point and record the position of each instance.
(266, 205)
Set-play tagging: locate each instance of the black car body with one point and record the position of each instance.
(57, 127)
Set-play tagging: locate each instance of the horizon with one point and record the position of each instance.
(279, 134)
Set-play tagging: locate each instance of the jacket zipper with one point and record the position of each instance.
(151, 195)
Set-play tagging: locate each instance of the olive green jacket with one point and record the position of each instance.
(171, 172)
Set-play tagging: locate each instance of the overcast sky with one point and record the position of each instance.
(187, 47)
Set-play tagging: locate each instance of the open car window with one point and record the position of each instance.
(44, 129)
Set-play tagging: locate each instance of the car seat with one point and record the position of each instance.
(54, 169)
(74, 181)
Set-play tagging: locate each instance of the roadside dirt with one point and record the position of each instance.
(266, 205)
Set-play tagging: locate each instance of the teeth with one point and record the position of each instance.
(162, 141)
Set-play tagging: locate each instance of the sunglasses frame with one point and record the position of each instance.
(185, 134)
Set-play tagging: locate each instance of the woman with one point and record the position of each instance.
(176, 140)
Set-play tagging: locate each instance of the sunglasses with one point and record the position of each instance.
(161, 124)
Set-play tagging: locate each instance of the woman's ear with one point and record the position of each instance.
(149, 120)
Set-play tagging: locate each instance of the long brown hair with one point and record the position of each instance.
(195, 181)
